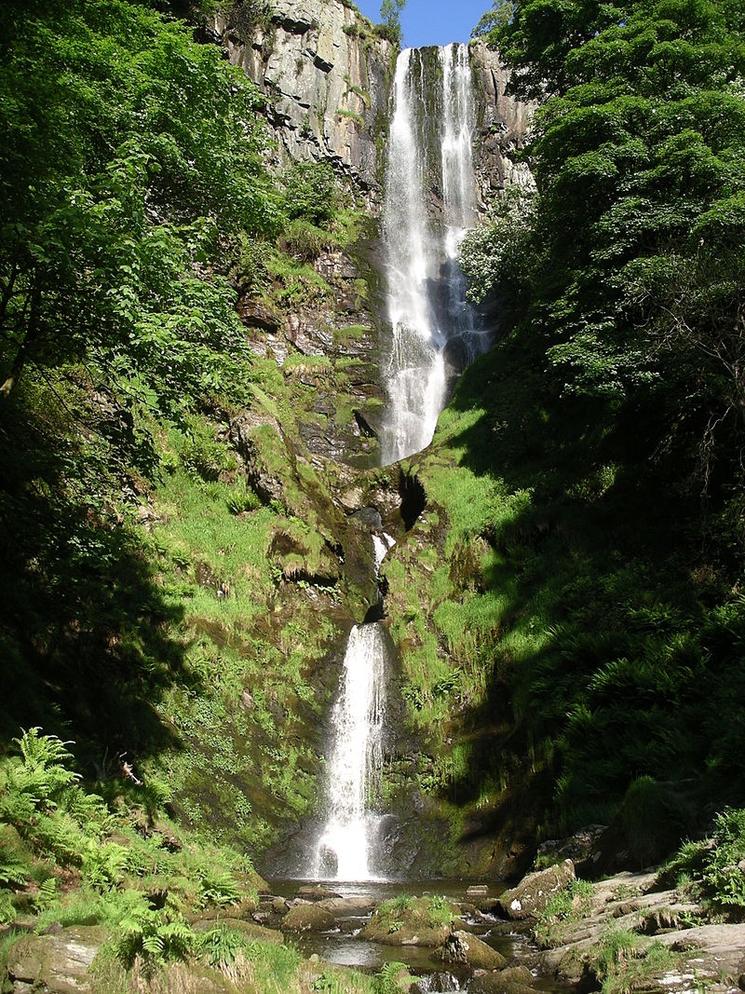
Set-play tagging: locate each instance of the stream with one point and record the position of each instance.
(343, 946)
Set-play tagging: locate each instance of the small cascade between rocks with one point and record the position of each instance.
(435, 332)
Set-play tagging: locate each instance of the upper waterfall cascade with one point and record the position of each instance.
(430, 149)
(430, 146)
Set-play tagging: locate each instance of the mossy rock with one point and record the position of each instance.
(514, 980)
(410, 922)
(251, 930)
(307, 918)
(58, 963)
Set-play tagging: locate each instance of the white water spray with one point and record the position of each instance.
(426, 301)
(348, 839)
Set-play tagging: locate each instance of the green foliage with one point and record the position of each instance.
(623, 963)
(310, 192)
(150, 137)
(627, 256)
(152, 937)
(567, 905)
(305, 241)
(390, 15)
(713, 866)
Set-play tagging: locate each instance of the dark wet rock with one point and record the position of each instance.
(534, 891)
(257, 314)
(582, 848)
(461, 947)
(307, 918)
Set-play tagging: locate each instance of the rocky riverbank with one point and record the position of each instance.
(630, 931)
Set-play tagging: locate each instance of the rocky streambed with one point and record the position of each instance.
(550, 933)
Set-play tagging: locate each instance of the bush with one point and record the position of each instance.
(310, 192)
(713, 865)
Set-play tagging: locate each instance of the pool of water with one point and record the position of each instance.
(344, 947)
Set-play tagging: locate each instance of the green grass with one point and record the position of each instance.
(624, 963)
(539, 615)
(568, 905)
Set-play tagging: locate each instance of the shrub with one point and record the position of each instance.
(310, 192)
(304, 241)
(712, 865)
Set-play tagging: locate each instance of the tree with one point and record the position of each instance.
(390, 15)
(637, 153)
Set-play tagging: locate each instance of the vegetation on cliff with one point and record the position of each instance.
(569, 610)
(171, 556)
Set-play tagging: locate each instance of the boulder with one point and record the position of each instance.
(534, 891)
(307, 918)
(406, 935)
(56, 963)
(250, 929)
(354, 905)
(514, 980)
(316, 892)
(440, 982)
(461, 947)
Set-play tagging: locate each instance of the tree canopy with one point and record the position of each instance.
(628, 256)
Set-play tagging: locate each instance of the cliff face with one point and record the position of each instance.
(502, 124)
(327, 76)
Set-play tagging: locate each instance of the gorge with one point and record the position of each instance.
(429, 147)
(371, 507)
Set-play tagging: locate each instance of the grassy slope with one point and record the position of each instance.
(556, 625)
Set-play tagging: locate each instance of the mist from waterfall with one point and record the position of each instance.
(430, 148)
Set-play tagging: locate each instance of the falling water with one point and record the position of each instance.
(430, 150)
(348, 840)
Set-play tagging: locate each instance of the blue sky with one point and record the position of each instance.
(433, 22)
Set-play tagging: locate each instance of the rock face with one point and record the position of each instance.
(502, 125)
(57, 963)
(327, 75)
(533, 893)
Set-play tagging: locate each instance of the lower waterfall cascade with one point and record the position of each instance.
(428, 312)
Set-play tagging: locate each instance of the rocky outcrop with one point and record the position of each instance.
(533, 893)
(326, 74)
(502, 125)
(58, 963)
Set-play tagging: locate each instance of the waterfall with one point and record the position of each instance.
(346, 847)
(430, 150)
